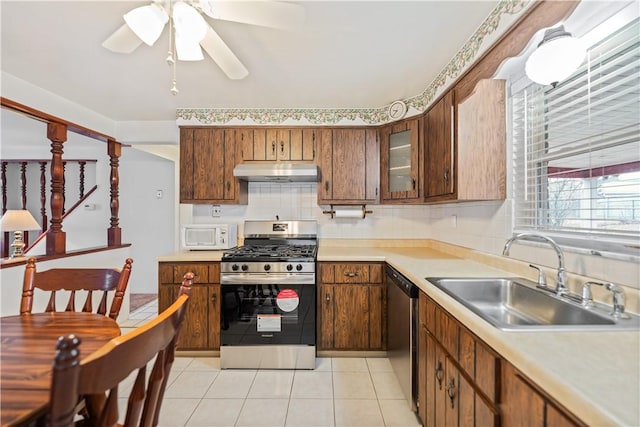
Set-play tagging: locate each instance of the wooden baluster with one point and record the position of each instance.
(64, 186)
(82, 164)
(56, 239)
(114, 233)
(43, 196)
(23, 184)
(23, 198)
(5, 235)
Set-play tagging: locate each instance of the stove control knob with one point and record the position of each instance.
(245, 267)
(299, 267)
(234, 267)
(267, 267)
(289, 267)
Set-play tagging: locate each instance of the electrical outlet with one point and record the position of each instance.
(216, 211)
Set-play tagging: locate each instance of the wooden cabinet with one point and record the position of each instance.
(401, 162)
(276, 144)
(440, 149)
(207, 159)
(351, 307)
(463, 382)
(465, 145)
(201, 327)
(458, 375)
(524, 405)
(349, 166)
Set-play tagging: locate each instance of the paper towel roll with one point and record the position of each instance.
(349, 213)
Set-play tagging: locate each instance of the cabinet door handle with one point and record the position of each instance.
(351, 274)
(413, 183)
(327, 297)
(281, 147)
(228, 186)
(439, 373)
(326, 185)
(214, 298)
(451, 391)
(273, 147)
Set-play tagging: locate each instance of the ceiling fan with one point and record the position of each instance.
(189, 32)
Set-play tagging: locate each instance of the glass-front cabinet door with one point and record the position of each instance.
(400, 161)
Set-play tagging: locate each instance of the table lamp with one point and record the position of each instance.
(18, 221)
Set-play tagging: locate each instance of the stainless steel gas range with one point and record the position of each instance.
(268, 316)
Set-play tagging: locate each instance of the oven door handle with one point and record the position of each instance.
(266, 279)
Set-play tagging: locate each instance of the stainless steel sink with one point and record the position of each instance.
(516, 304)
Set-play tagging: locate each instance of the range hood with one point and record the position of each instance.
(277, 172)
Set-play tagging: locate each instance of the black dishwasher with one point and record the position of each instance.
(402, 328)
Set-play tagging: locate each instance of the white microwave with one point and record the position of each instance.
(208, 237)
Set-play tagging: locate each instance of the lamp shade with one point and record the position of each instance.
(147, 22)
(18, 220)
(190, 28)
(557, 57)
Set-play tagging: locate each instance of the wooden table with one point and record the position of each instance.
(28, 344)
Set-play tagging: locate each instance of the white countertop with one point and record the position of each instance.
(595, 375)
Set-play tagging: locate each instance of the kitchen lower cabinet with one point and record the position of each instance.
(351, 307)
(463, 382)
(524, 405)
(201, 327)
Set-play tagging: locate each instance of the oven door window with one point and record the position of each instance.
(268, 314)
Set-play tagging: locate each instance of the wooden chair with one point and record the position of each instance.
(95, 379)
(72, 280)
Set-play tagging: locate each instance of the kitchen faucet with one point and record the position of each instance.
(561, 286)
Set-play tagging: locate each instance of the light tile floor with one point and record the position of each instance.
(339, 392)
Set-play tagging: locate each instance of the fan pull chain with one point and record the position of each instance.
(171, 60)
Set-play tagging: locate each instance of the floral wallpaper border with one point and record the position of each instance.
(370, 116)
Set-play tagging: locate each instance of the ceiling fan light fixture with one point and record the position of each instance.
(147, 22)
(188, 22)
(557, 57)
(188, 49)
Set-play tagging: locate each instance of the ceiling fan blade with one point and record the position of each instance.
(123, 40)
(223, 56)
(274, 14)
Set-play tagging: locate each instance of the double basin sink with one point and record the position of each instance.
(516, 304)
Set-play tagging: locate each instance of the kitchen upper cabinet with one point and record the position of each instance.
(207, 159)
(349, 163)
(277, 144)
(351, 307)
(465, 145)
(439, 149)
(201, 326)
(400, 162)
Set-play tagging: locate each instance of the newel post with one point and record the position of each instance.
(114, 233)
(56, 239)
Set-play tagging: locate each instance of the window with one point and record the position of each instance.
(576, 151)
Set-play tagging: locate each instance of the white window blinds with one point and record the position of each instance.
(576, 150)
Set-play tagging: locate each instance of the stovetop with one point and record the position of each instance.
(271, 253)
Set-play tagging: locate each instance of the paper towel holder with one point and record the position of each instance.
(332, 211)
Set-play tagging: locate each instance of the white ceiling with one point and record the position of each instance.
(360, 54)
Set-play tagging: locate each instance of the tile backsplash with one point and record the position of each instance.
(483, 226)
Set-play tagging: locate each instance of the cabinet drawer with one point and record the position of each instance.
(349, 273)
(200, 272)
